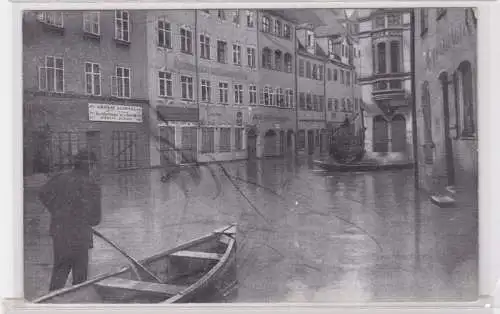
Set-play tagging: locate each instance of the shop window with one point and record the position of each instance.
(124, 149)
(208, 140)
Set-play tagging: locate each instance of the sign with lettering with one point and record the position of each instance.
(115, 113)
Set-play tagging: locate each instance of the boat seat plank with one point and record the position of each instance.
(141, 286)
(195, 254)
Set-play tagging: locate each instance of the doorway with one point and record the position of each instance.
(450, 167)
(252, 144)
(94, 146)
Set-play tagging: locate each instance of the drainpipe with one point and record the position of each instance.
(197, 74)
(325, 101)
(413, 98)
(296, 81)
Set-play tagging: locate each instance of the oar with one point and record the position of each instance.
(134, 262)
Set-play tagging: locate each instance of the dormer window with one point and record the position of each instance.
(310, 39)
(330, 47)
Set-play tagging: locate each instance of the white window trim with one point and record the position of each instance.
(43, 71)
(255, 91)
(129, 30)
(210, 98)
(187, 86)
(166, 80)
(226, 48)
(89, 22)
(117, 82)
(205, 35)
(254, 59)
(240, 94)
(252, 15)
(235, 45)
(181, 38)
(42, 17)
(164, 31)
(93, 78)
(219, 88)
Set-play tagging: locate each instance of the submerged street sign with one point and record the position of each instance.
(115, 113)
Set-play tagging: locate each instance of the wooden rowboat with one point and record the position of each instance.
(201, 270)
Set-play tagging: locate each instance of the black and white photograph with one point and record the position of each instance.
(250, 155)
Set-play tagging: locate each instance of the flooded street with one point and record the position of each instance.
(303, 234)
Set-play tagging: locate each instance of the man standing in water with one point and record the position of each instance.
(74, 203)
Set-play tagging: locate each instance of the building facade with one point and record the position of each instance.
(203, 67)
(273, 121)
(84, 87)
(446, 100)
(384, 74)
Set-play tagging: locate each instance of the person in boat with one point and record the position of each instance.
(74, 202)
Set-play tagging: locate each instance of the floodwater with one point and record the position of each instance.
(303, 234)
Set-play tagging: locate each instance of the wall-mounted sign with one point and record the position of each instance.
(115, 113)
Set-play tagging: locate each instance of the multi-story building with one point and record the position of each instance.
(84, 82)
(446, 100)
(384, 74)
(273, 122)
(203, 67)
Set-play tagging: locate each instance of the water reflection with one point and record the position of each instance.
(303, 235)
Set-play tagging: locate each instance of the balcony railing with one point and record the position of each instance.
(388, 88)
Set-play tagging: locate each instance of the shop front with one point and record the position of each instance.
(56, 128)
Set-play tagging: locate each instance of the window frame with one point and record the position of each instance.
(89, 22)
(186, 40)
(93, 79)
(188, 85)
(120, 29)
(164, 33)
(166, 82)
(206, 89)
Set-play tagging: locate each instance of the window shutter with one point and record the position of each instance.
(42, 78)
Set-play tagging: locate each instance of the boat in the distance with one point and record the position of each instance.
(201, 270)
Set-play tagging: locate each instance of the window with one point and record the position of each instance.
(266, 24)
(321, 100)
(221, 15)
(309, 101)
(301, 139)
(394, 19)
(267, 96)
(91, 23)
(314, 71)
(236, 17)
(124, 149)
(277, 28)
(349, 105)
(92, 79)
(251, 57)
(206, 91)
(204, 47)
(250, 19)
(238, 93)
(343, 105)
(395, 56)
(221, 51)
(342, 78)
(225, 140)
(315, 103)
(278, 61)
(164, 34)
(335, 75)
(122, 25)
(382, 67)
(236, 54)
(289, 98)
(121, 83)
(51, 76)
(165, 79)
(330, 47)
(320, 73)
(287, 32)
(53, 18)
(252, 94)
(329, 74)
(301, 68)
(186, 41)
(302, 101)
(330, 104)
(308, 69)
(310, 39)
(280, 98)
(223, 93)
(288, 63)
(464, 95)
(336, 104)
(186, 87)
(266, 58)
(348, 78)
(208, 140)
(380, 21)
(271, 97)
(238, 139)
(424, 21)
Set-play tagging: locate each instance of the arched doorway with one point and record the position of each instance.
(289, 140)
(310, 142)
(380, 135)
(450, 167)
(252, 144)
(270, 143)
(398, 132)
(282, 142)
